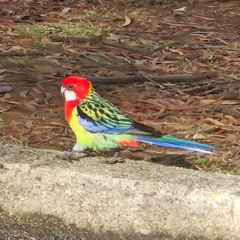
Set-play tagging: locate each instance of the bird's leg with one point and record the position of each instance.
(114, 159)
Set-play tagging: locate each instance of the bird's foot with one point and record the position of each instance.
(75, 156)
(109, 154)
(115, 159)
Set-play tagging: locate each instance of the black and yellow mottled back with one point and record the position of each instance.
(96, 114)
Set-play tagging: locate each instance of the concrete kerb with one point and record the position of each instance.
(43, 196)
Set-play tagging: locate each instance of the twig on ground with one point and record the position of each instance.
(227, 110)
(173, 78)
(215, 47)
(91, 40)
(20, 54)
(128, 47)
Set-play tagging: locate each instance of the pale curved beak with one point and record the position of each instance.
(69, 95)
(63, 89)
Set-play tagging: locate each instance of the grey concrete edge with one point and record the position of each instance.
(43, 196)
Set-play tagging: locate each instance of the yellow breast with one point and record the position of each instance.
(84, 138)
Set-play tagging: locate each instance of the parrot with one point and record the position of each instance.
(100, 125)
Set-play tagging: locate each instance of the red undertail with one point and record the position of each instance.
(129, 143)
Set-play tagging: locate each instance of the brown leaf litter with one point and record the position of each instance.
(174, 66)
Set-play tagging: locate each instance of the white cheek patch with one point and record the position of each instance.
(70, 95)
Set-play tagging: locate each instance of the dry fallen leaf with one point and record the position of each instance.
(184, 42)
(127, 22)
(17, 49)
(233, 76)
(24, 93)
(64, 11)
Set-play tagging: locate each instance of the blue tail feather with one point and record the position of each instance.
(167, 141)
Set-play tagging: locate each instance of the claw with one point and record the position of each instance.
(115, 159)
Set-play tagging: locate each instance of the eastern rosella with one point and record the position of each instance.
(99, 125)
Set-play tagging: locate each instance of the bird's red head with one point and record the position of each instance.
(79, 85)
(75, 89)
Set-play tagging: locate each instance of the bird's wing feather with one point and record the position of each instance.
(98, 115)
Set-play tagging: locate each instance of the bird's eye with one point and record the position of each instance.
(70, 86)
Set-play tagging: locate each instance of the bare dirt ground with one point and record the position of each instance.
(41, 42)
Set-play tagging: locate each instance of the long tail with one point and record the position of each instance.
(167, 141)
